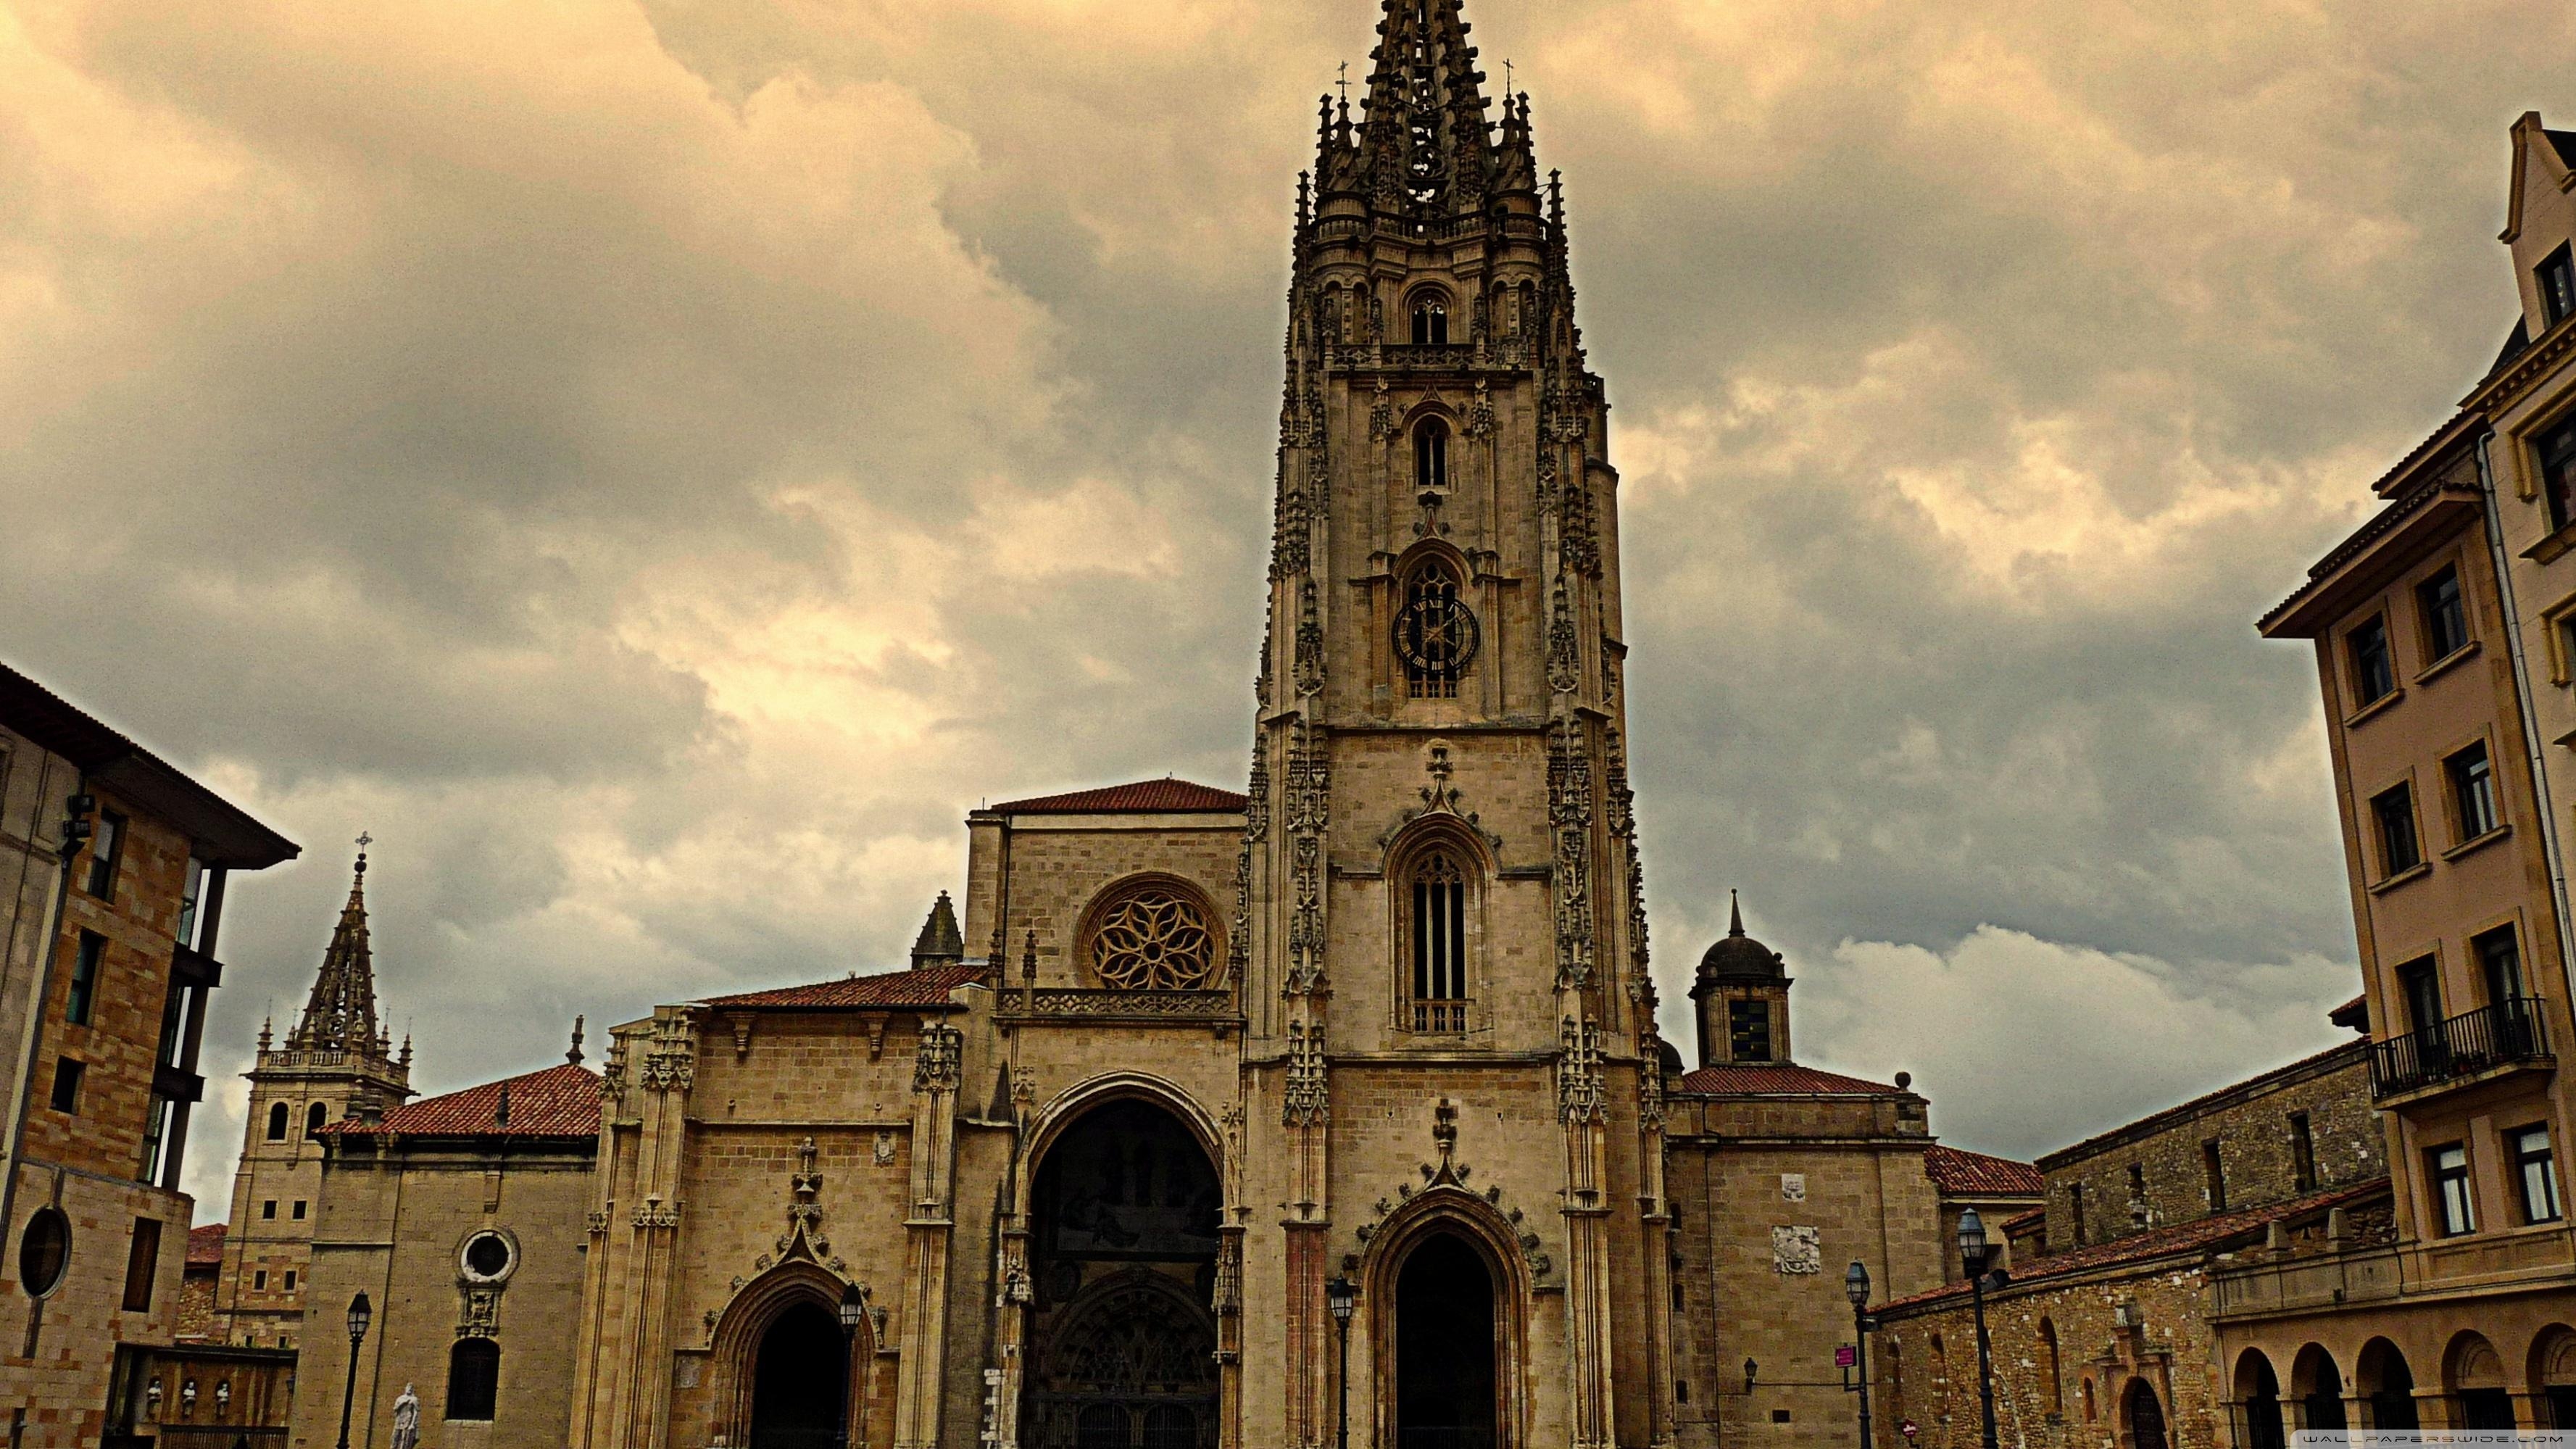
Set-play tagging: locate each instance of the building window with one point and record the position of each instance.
(487, 1257)
(277, 1122)
(298, 1211)
(2373, 676)
(2555, 453)
(2051, 1383)
(44, 1252)
(104, 850)
(157, 1143)
(142, 1262)
(315, 1117)
(2075, 1210)
(1439, 944)
(259, 1281)
(1435, 635)
(2453, 1211)
(2213, 1172)
(2393, 809)
(1430, 322)
(290, 1280)
(67, 1084)
(2557, 277)
(2472, 790)
(2422, 987)
(2535, 1169)
(82, 994)
(1748, 1030)
(268, 1210)
(192, 886)
(2499, 966)
(2303, 1153)
(2137, 1194)
(473, 1378)
(2446, 622)
(1431, 455)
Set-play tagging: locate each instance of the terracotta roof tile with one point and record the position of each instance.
(1139, 798)
(920, 987)
(1780, 1079)
(1957, 1171)
(2198, 1235)
(2018, 1222)
(206, 1244)
(559, 1102)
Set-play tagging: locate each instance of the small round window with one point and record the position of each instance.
(44, 1252)
(488, 1257)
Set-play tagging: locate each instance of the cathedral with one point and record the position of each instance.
(1331, 1112)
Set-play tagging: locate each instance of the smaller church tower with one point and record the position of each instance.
(1742, 996)
(337, 1062)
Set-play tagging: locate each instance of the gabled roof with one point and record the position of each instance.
(1780, 1079)
(205, 1245)
(2021, 1222)
(1974, 1174)
(222, 833)
(2198, 1236)
(1142, 797)
(559, 1103)
(923, 987)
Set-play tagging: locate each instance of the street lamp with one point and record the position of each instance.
(1341, 1296)
(854, 1311)
(1974, 1254)
(1856, 1288)
(360, 1311)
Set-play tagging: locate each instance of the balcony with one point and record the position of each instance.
(1440, 1016)
(2469, 1047)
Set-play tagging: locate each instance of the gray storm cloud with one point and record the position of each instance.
(657, 467)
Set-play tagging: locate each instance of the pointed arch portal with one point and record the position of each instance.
(1445, 1348)
(1122, 1337)
(798, 1380)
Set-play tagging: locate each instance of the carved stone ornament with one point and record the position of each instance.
(671, 1058)
(1578, 1072)
(1564, 652)
(935, 1062)
(1308, 807)
(1480, 413)
(1308, 665)
(1450, 1175)
(1307, 1102)
(1569, 770)
(1153, 939)
(804, 1209)
(884, 1152)
(1795, 1251)
(480, 1315)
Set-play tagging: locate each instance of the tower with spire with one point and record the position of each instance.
(1442, 895)
(336, 1060)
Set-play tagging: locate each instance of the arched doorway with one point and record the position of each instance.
(2258, 1398)
(2145, 1414)
(1122, 1337)
(1444, 1347)
(798, 1379)
(2474, 1375)
(2319, 1385)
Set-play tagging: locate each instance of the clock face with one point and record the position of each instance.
(1436, 635)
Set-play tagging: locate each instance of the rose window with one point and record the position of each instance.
(1153, 940)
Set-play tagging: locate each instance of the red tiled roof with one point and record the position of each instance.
(1974, 1173)
(923, 986)
(2354, 1013)
(2198, 1235)
(559, 1102)
(206, 1244)
(2019, 1221)
(1781, 1079)
(1140, 798)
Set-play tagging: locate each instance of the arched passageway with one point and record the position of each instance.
(1444, 1347)
(2258, 1401)
(798, 1380)
(2319, 1385)
(1122, 1338)
(2388, 1384)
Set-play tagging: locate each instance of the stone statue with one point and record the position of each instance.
(407, 1420)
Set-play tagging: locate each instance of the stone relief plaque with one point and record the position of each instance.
(1796, 1250)
(1793, 1187)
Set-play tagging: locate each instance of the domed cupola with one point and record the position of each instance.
(1742, 992)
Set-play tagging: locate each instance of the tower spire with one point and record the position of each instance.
(341, 1013)
(1426, 142)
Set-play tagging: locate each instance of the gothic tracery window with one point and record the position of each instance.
(1430, 321)
(1153, 938)
(1439, 943)
(1435, 632)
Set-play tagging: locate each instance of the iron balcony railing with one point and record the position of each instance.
(2491, 1036)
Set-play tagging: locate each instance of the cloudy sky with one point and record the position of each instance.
(657, 466)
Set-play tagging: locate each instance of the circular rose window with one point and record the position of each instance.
(1153, 939)
(44, 1252)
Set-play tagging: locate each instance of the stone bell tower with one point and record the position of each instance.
(1442, 945)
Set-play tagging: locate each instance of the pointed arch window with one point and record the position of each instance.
(1435, 632)
(1430, 321)
(1431, 455)
(1439, 942)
